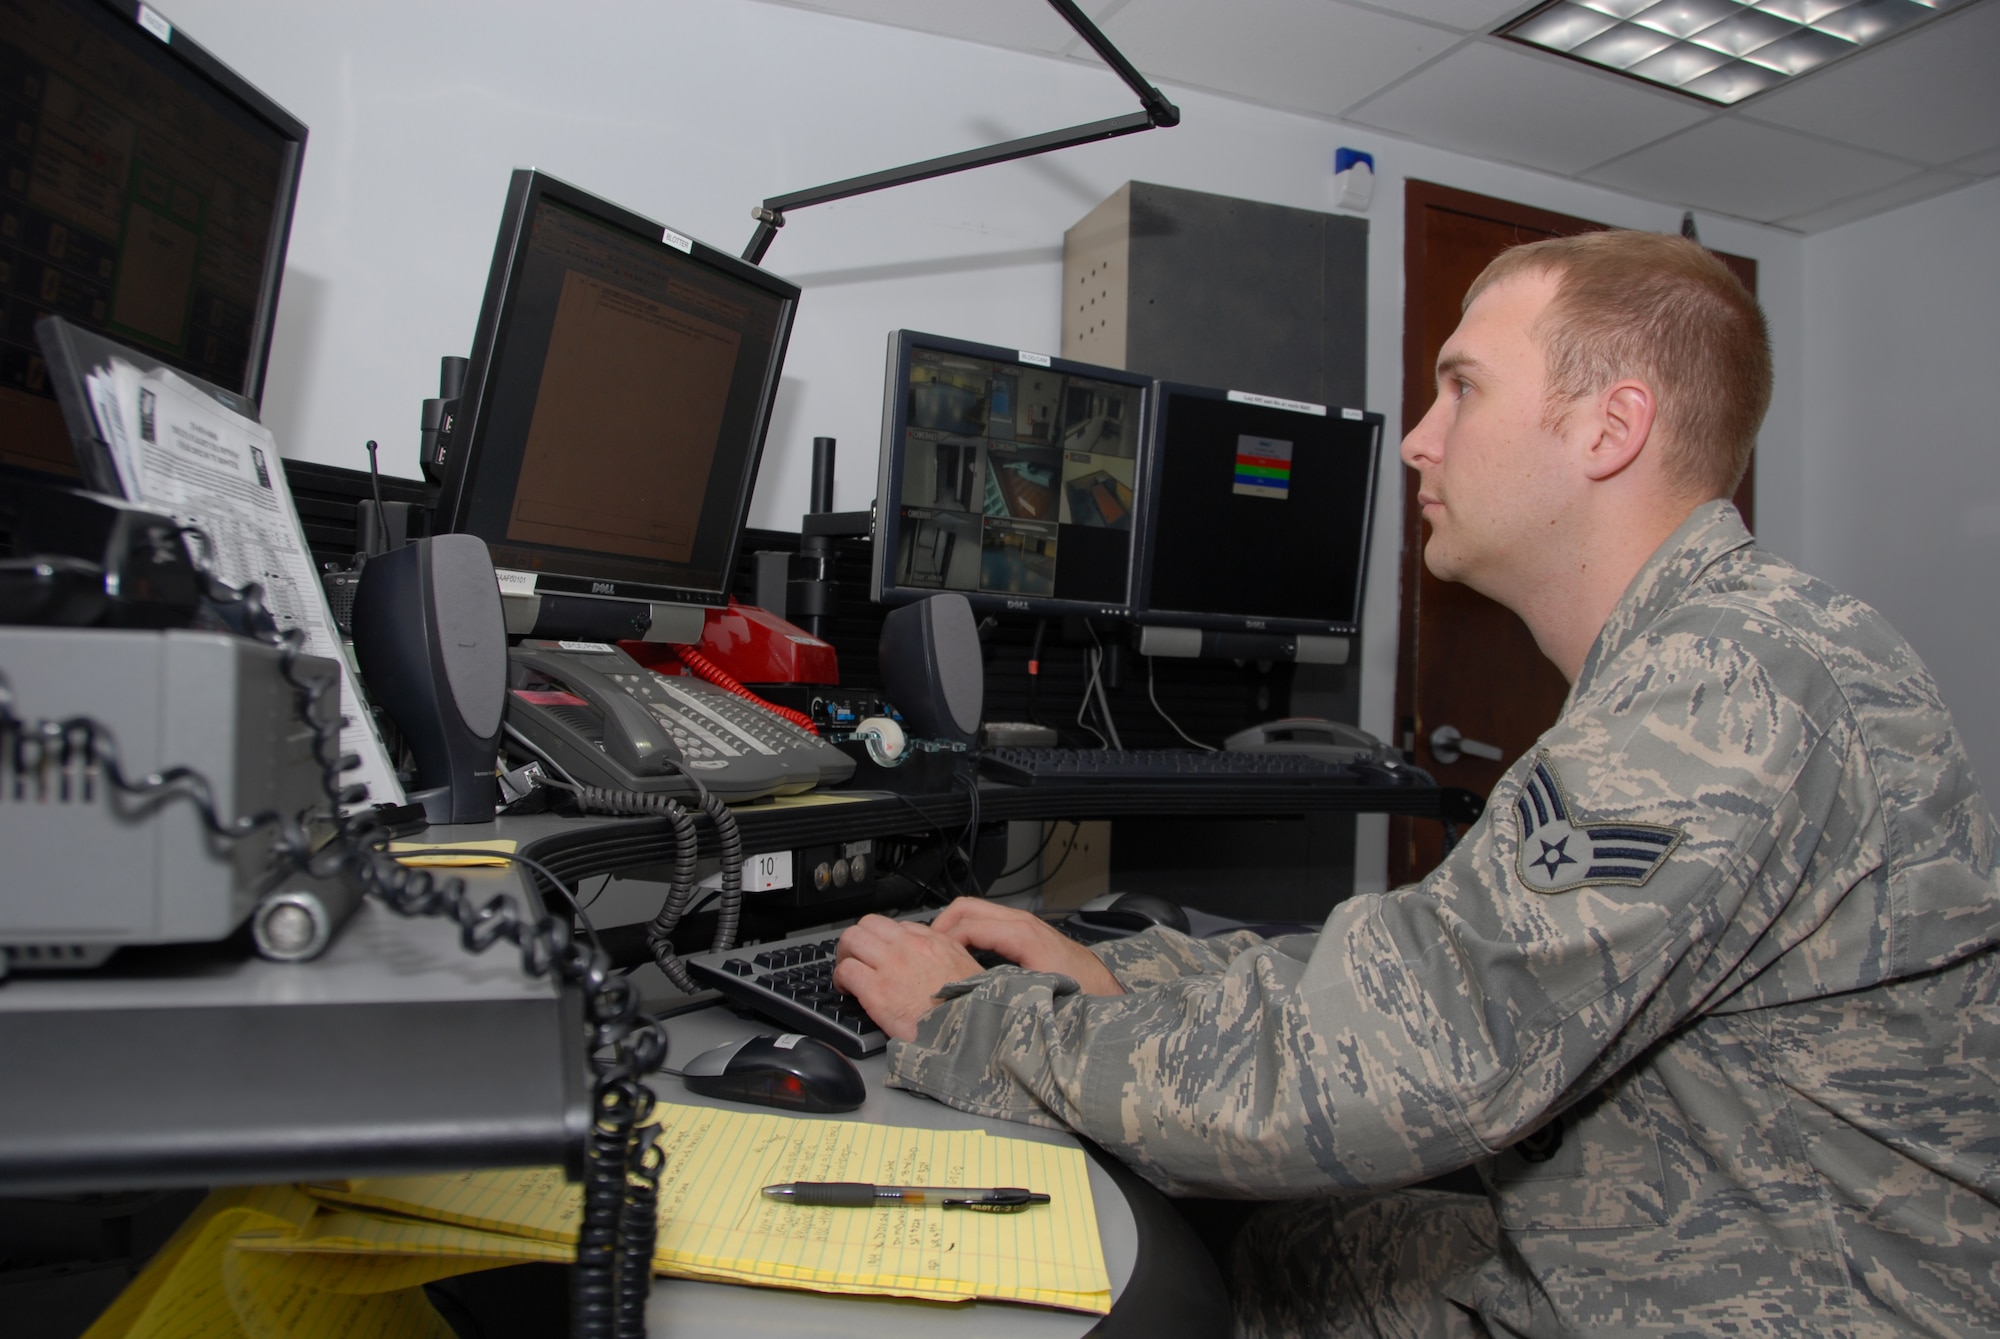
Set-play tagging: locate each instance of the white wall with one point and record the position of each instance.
(1902, 468)
(693, 111)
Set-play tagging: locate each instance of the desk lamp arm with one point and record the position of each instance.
(1157, 111)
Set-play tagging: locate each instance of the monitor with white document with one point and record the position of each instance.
(175, 444)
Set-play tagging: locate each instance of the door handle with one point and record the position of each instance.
(1447, 744)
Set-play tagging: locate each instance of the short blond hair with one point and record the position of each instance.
(1666, 311)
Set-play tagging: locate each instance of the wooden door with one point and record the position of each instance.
(1463, 661)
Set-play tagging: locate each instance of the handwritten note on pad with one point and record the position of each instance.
(716, 1224)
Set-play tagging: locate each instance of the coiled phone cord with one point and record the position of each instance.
(67, 759)
(680, 883)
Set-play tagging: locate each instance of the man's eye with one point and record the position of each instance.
(1460, 388)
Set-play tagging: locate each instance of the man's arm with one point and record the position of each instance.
(896, 969)
(1436, 1024)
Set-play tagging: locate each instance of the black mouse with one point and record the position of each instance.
(795, 1071)
(1135, 912)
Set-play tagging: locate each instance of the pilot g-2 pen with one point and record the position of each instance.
(862, 1195)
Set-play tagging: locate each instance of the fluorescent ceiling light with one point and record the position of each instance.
(1720, 50)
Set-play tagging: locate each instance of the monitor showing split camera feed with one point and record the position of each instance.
(145, 196)
(1009, 477)
(616, 401)
(1258, 513)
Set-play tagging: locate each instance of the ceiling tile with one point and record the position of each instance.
(1920, 187)
(1932, 96)
(1304, 55)
(1980, 164)
(1468, 16)
(1019, 25)
(1734, 166)
(1505, 102)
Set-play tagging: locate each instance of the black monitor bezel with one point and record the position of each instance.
(889, 476)
(1144, 612)
(190, 53)
(526, 190)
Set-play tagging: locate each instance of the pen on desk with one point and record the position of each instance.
(864, 1195)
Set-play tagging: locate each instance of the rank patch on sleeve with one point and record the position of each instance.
(1560, 851)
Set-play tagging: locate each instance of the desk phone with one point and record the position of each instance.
(609, 721)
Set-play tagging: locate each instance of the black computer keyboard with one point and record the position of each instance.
(1033, 766)
(790, 982)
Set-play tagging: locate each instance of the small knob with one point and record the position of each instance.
(1447, 744)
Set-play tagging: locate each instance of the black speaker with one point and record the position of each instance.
(932, 668)
(432, 643)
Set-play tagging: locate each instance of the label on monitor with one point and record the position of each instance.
(515, 583)
(154, 22)
(1034, 359)
(1353, 414)
(1273, 402)
(676, 241)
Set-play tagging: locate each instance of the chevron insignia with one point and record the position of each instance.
(1559, 851)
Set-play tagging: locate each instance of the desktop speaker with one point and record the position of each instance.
(432, 642)
(932, 668)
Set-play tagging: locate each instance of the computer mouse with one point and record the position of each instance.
(793, 1070)
(1135, 912)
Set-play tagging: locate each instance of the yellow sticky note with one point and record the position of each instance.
(413, 853)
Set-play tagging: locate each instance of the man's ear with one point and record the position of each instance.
(1626, 411)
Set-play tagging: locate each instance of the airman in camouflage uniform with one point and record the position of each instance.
(1710, 997)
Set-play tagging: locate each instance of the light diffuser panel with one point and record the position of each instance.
(1719, 50)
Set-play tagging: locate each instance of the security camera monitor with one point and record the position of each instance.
(615, 404)
(1258, 512)
(1009, 477)
(145, 196)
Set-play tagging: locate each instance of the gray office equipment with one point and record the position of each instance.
(1188, 286)
(90, 870)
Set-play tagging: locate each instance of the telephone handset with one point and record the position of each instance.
(1332, 741)
(609, 721)
(633, 738)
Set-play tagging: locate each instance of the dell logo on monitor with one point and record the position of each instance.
(603, 588)
(1017, 604)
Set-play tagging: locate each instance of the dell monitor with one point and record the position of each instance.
(1256, 523)
(1012, 478)
(607, 437)
(146, 196)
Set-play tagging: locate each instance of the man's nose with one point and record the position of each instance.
(1420, 446)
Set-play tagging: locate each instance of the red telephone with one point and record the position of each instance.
(743, 642)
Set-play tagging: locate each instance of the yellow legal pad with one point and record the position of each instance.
(326, 1261)
(716, 1224)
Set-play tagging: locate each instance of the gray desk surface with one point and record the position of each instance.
(682, 1307)
(394, 1051)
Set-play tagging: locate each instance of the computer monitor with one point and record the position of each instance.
(615, 404)
(1258, 512)
(146, 195)
(1010, 477)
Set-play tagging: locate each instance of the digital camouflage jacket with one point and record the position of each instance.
(1710, 996)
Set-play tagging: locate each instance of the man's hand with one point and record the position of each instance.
(1027, 939)
(896, 968)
